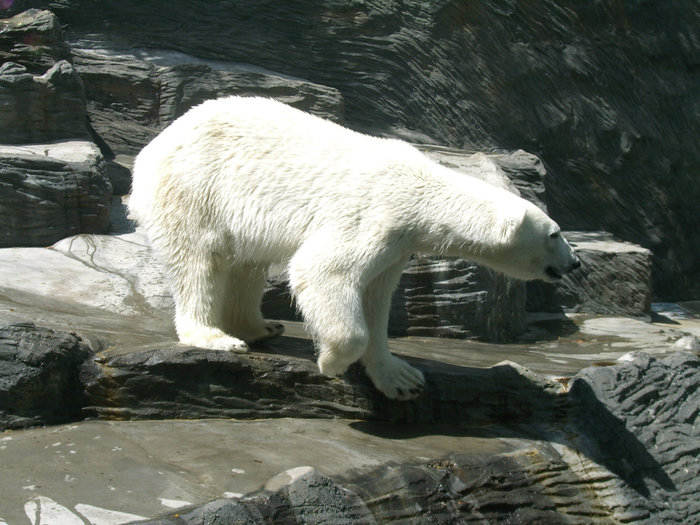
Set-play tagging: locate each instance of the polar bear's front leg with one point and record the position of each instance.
(392, 376)
(334, 315)
(331, 304)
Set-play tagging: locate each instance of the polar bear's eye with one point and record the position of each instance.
(554, 235)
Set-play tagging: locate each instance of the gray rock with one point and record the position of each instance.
(39, 376)
(52, 191)
(621, 446)
(442, 297)
(612, 444)
(308, 496)
(615, 279)
(32, 39)
(517, 171)
(282, 380)
(134, 94)
(41, 109)
(621, 154)
(639, 419)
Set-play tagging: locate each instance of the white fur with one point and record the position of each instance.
(238, 184)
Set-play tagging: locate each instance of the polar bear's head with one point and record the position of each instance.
(534, 247)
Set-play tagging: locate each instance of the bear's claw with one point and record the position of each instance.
(270, 330)
(396, 379)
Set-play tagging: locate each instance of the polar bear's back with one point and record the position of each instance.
(261, 167)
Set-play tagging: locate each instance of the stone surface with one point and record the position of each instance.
(443, 297)
(517, 171)
(648, 434)
(172, 381)
(511, 441)
(40, 109)
(32, 39)
(134, 94)
(490, 440)
(621, 153)
(615, 279)
(39, 376)
(51, 191)
(632, 426)
(615, 443)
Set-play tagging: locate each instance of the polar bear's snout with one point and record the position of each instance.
(569, 260)
(557, 273)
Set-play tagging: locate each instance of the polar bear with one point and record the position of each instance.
(238, 184)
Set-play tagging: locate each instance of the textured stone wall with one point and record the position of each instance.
(605, 93)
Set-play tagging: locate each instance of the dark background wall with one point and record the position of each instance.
(607, 93)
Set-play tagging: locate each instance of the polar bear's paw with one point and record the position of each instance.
(267, 331)
(213, 339)
(395, 378)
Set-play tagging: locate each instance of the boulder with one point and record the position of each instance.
(449, 297)
(52, 191)
(39, 375)
(33, 39)
(40, 109)
(615, 279)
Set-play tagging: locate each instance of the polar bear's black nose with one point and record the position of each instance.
(576, 264)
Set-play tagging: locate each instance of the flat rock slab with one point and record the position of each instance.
(146, 468)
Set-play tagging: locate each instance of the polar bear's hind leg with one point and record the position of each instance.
(245, 286)
(199, 303)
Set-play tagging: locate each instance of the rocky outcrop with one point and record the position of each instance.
(613, 443)
(33, 39)
(52, 191)
(615, 280)
(40, 109)
(482, 75)
(625, 452)
(39, 373)
(133, 95)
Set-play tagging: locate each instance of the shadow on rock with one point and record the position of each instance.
(605, 439)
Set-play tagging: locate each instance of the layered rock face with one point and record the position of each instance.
(53, 178)
(132, 93)
(604, 94)
(52, 191)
